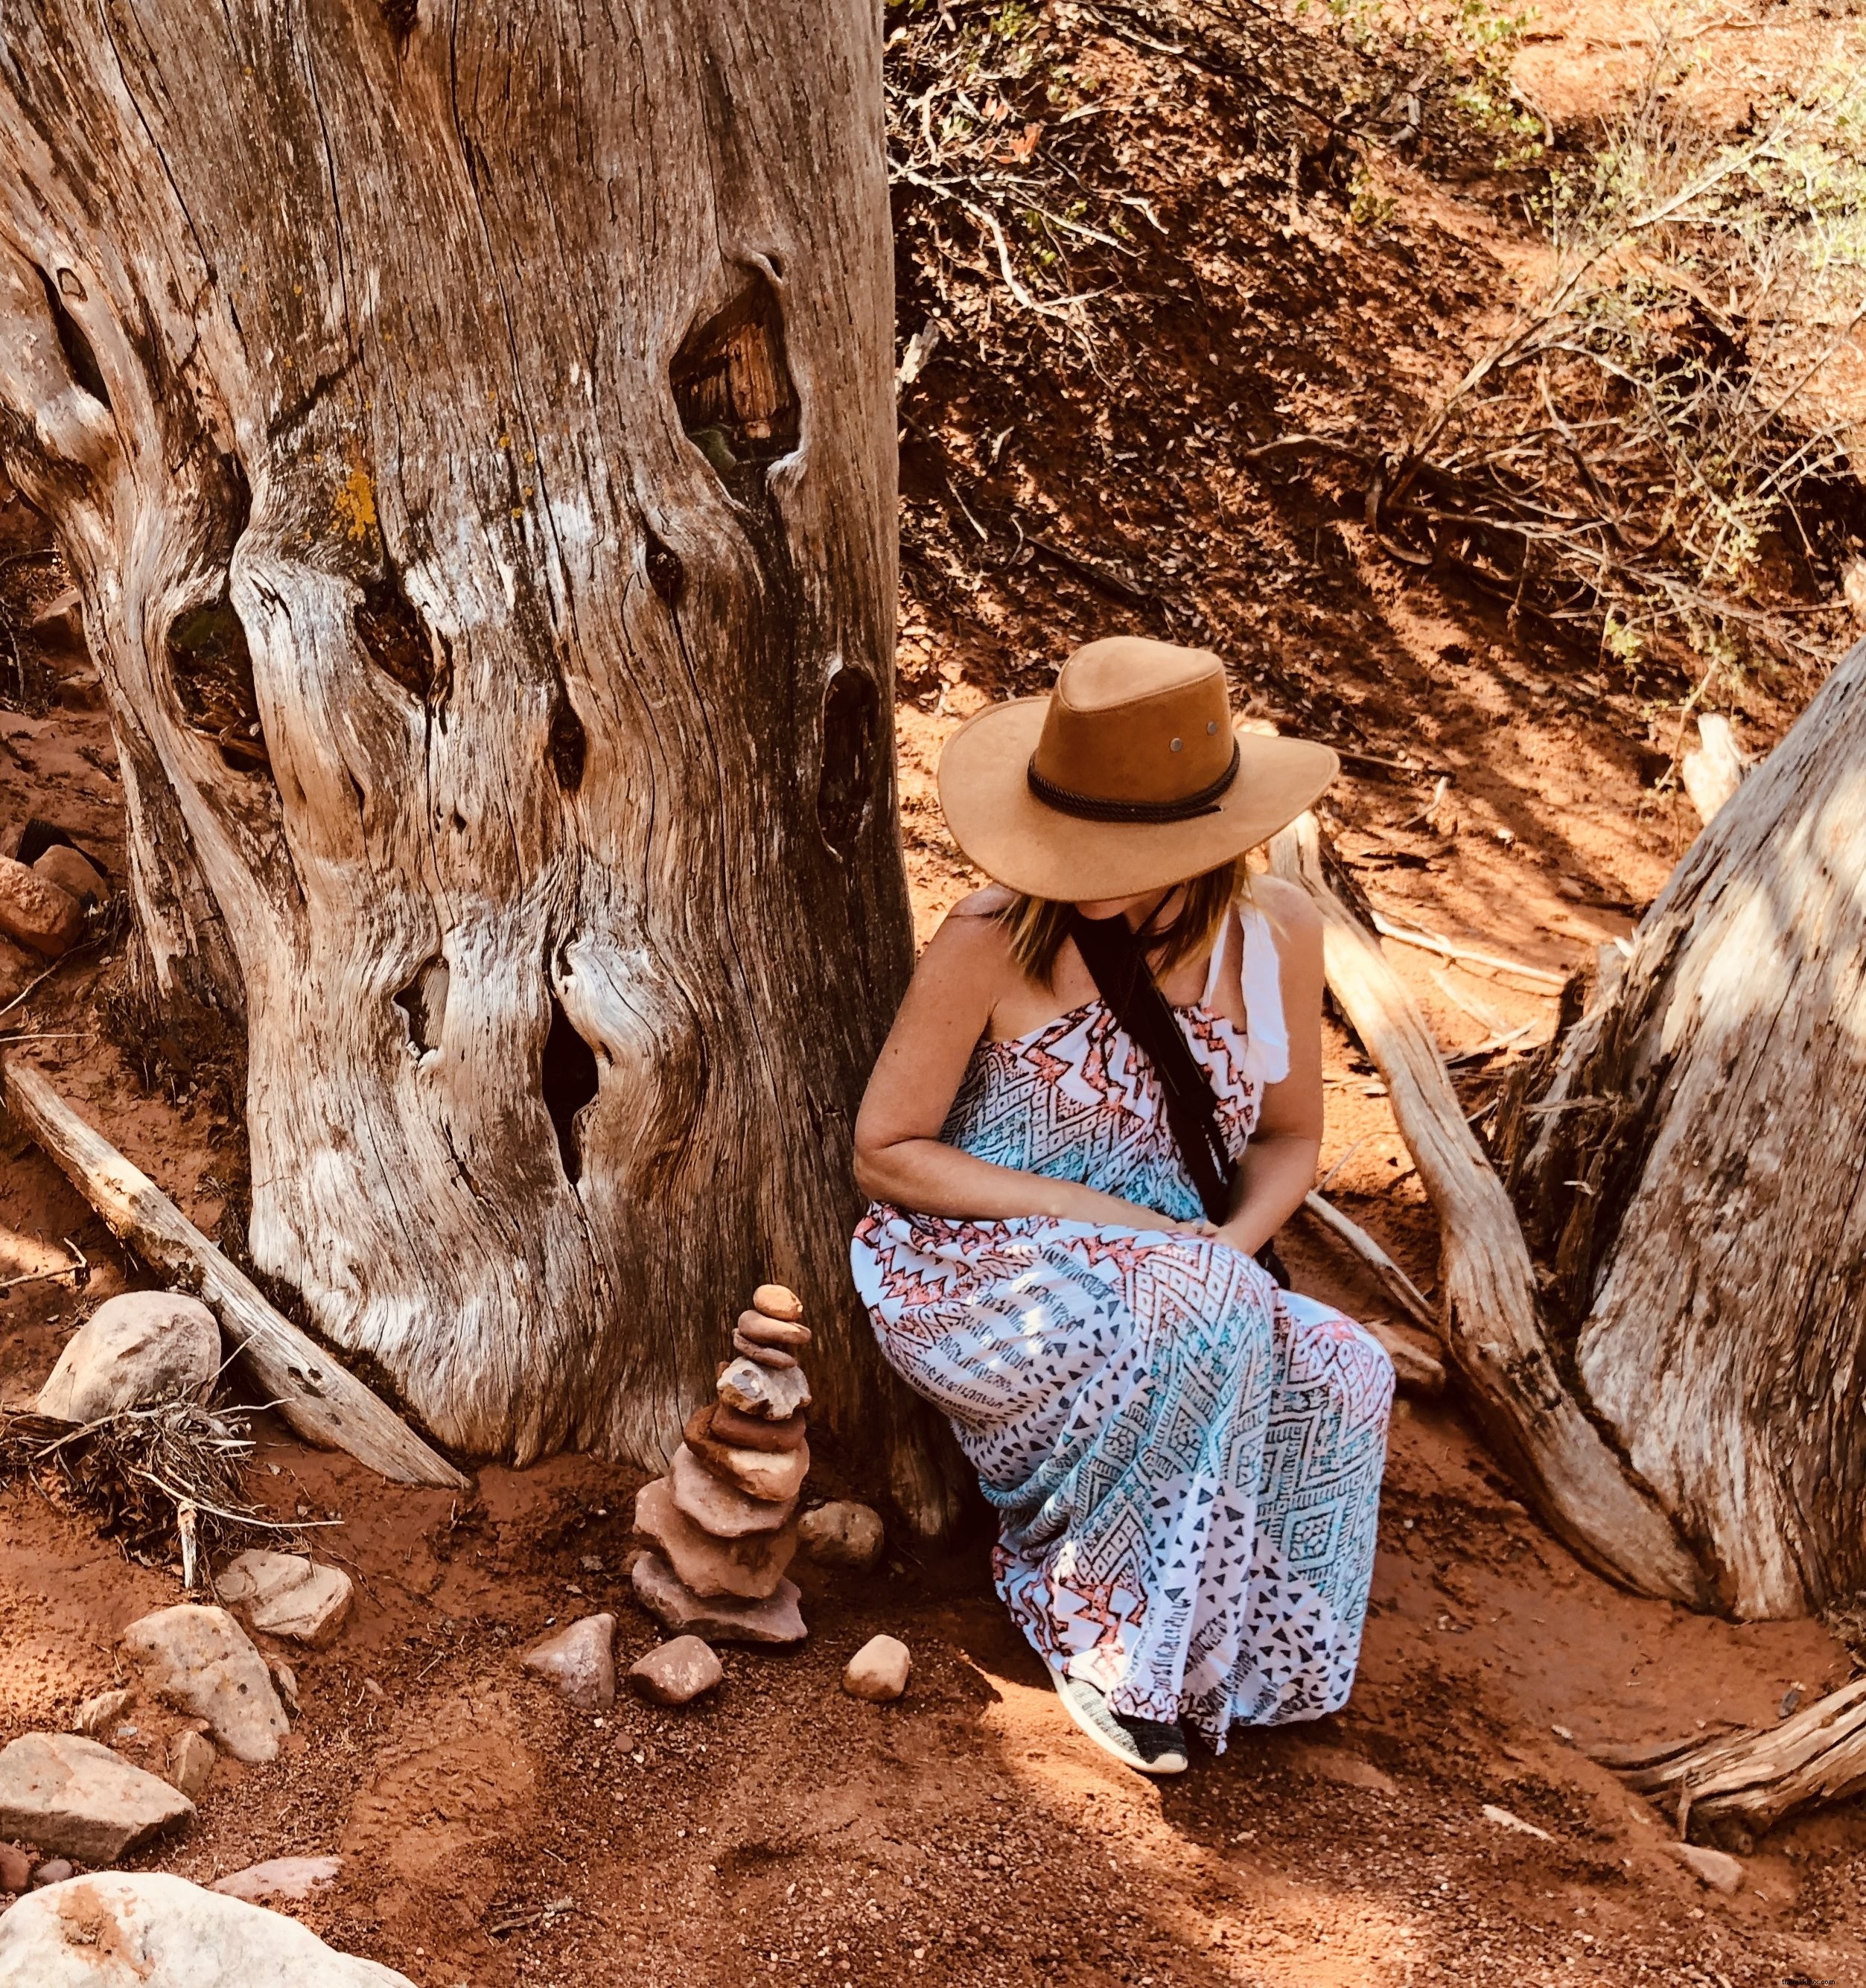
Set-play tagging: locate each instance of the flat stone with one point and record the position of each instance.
(191, 1762)
(780, 1333)
(286, 1594)
(676, 1673)
(717, 1505)
(37, 913)
(16, 1868)
(580, 1662)
(134, 1349)
(878, 1671)
(61, 865)
(775, 1477)
(727, 1426)
(775, 1620)
(773, 1356)
(1717, 1869)
(749, 1568)
(843, 1533)
(203, 1663)
(769, 1394)
(146, 1929)
(292, 1878)
(95, 1714)
(779, 1301)
(68, 1794)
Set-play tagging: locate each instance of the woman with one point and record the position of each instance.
(1101, 1099)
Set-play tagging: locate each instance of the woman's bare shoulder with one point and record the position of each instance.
(971, 943)
(1292, 912)
(986, 904)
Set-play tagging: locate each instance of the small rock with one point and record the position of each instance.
(763, 1331)
(191, 1761)
(292, 1878)
(105, 1710)
(1717, 1869)
(843, 1533)
(1505, 1820)
(878, 1671)
(38, 914)
(758, 1473)
(773, 1356)
(779, 1301)
(749, 1568)
(591, 1563)
(727, 1426)
(54, 1870)
(203, 1662)
(71, 873)
(775, 1620)
(717, 1505)
(60, 623)
(677, 1672)
(768, 1394)
(78, 1799)
(285, 1594)
(580, 1662)
(285, 1682)
(136, 1348)
(16, 1868)
(146, 1929)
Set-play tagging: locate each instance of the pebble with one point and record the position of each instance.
(779, 1301)
(843, 1533)
(63, 866)
(286, 1594)
(580, 1662)
(16, 1868)
(749, 1568)
(105, 1710)
(878, 1671)
(727, 1426)
(137, 1347)
(292, 1878)
(775, 1620)
(203, 1663)
(54, 1870)
(1717, 1869)
(773, 1356)
(285, 1682)
(70, 1796)
(37, 913)
(769, 1394)
(790, 1337)
(191, 1761)
(717, 1505)
(676, 1673)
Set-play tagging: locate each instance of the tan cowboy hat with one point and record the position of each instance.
(1127, 777)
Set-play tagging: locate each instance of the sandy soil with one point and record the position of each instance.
(782, 1832)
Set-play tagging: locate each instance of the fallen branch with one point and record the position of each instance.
(1757, 1776)
(1394, 1281)
(326, 1405)
(1491, 1325)
(1432, 942)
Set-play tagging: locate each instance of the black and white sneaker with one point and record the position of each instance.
(1146, 1745)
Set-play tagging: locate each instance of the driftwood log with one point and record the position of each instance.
(322, 1402)
(1490, 1323)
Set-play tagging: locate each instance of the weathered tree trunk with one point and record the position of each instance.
(1691, 1168)
(470, 430)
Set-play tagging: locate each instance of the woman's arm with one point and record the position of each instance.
(899, 1157)
(1279, 1162)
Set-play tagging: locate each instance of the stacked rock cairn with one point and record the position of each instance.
(723, 1520)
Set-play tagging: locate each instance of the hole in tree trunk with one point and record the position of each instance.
(212, 669)
(851, 709)
(569, 745)
(398, 642)
(732, 384)
(666, 574)
(424, 1001)
(569, 1082)
(78, 355)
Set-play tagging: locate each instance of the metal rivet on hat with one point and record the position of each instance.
(1177, 743)
(1211, 728)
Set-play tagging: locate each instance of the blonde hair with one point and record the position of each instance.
(1038, 926)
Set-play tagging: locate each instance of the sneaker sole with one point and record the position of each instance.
(1168, 1764)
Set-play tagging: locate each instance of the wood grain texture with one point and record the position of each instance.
(1712, 1107)
(504, 699)
(1491, 1325)
(325, 1404)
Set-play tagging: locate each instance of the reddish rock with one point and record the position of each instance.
(37, 913)
(580, 1662)
(779, 1301)
(775, 1620)
(842, 1533)
(749, 1568)
(16, 1868)
(754, 1325)
(774, 1357)
(717, 1505)
(676, 1673)
(294, 1879)
(73, 874)
(772, 1395)
(191, 1761)
(758, 1473)
(726, 1424)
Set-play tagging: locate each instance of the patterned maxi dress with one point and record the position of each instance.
(1185, 1460)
